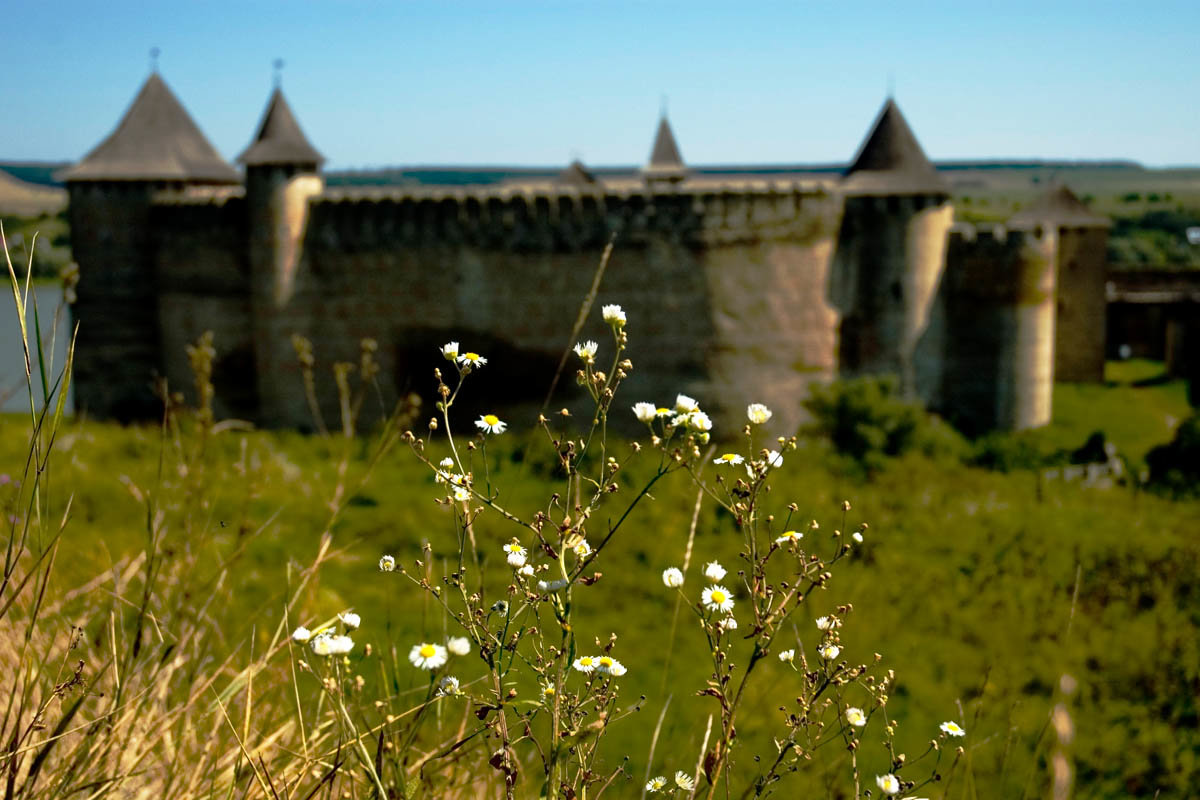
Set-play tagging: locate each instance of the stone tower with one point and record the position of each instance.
(890, 253)
(998, 303)
(282, 175)
(1081, 260)
(665, 166)
(156, 146)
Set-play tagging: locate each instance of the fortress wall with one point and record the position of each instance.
(1082, 305)
(698, 274)
(204, 285)
(999, 308)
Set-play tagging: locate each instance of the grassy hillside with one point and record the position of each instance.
(987, 594)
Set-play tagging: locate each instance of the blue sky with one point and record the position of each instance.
(389, 83)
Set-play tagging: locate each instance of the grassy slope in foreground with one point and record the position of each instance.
(965, 585)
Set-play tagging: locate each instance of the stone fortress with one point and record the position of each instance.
(738, 287)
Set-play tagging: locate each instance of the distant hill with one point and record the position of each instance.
(40, 173)
(19, 198)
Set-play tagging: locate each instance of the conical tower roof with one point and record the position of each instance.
(577, 174)
(279, 139)
(891, 161)
(665, 161)
(156, 140)
(1060, 207)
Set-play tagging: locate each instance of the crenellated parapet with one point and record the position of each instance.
(569, 219)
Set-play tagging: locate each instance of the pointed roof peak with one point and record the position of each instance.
(1059, 206)
(891, 161)
(665, 161)
(576, 174)
(279, 139)
(156, 140)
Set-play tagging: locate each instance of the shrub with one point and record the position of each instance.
(1175, 466)
(867, 420)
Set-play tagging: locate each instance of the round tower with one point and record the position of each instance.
(283, 173)
(890, 256)
(155, 146)
(1081, 261)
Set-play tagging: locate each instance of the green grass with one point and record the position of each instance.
(965, 584)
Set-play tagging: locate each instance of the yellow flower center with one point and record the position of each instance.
(728, 457)
(490, 419)
(586, 661)
(606, 661)
(471, 356)
(548, 690)
(427, 651)
(718, 596)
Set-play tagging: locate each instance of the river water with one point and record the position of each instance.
(13, 394)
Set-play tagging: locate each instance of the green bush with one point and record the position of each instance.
(867, 420)
(1175, 467)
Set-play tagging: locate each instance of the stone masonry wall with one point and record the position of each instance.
(725, 292)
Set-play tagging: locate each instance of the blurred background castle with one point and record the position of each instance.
(740, 286)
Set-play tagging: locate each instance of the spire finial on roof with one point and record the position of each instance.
(662, 104)
(277, 72)
(154, 54)
(891, 85)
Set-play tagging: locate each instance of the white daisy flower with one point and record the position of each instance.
(583, 549)
(727, 624)
(387, 564)
(552, 586)
(449, 686)
(789, 537)
(685, 404)
(584, 664)
(462, 494)
(717, 598)
(607, 665)
(856, 717)
(857, 536)
(699, 421)
(888, 784)
(427, 656)
(655, 784)
(672, 578)
(450, 351)
(662, 412)
(526, 570)
(774, 459)
(733, 459)
(350, 620)
(548, 690)
(458, 645)
(714, 571)
(330, 644)
(490, 423)
(515, 554)
(758, 413)
(952, 729)
(587, 351)
(684, 781)
(471, 361)
(301, 634)
(446, 463)
(828, 623)
(829, 651)
(645, 412)
(788, 656)
(613, 315)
